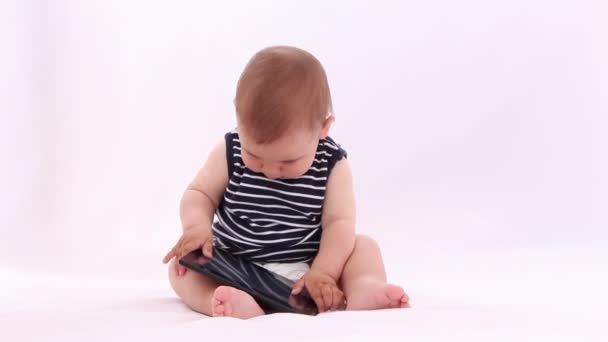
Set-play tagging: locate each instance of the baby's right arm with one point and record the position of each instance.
(205, 192)
(198, 205)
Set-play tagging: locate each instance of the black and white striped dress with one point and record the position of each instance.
(268, 220)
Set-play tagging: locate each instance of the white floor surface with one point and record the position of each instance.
(474, 295)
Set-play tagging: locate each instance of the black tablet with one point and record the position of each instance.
(270, 290)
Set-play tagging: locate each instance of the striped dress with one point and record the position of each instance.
(266, 220)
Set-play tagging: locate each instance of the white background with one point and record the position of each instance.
(468, 123)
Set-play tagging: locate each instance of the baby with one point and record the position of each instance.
(282, 195)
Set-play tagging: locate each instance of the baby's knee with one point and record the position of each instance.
(192, 288)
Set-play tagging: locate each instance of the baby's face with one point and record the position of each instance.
(290, 156)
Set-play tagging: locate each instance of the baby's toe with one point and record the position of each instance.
(394, 292)
(222, 293)
(397, 297)
(219, 310)
(215, 302)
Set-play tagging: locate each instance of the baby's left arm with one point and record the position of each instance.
(337, 241)
(338, 222)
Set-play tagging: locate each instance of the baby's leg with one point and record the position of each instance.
(364, 280)
(204, 295)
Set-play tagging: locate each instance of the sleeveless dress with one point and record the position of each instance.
(273, 220)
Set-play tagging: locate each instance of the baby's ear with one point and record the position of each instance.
(326, 126)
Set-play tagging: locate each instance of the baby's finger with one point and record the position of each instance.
(326, 293)
(184, 240)
(343, 302)
(298, 286)
(186, 247)
(179, 246)
(338, 300)
(208, 248)
(169, 255)
(318, 298)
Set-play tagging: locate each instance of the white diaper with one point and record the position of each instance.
(291, 271)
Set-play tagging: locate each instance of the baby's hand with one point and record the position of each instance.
(192, 239)
(323, 290)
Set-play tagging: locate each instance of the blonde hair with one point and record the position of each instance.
(281, 87)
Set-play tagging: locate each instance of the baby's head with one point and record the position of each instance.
(283, 107)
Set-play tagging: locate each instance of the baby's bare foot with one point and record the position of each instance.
(378, 296)
(230, 302)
